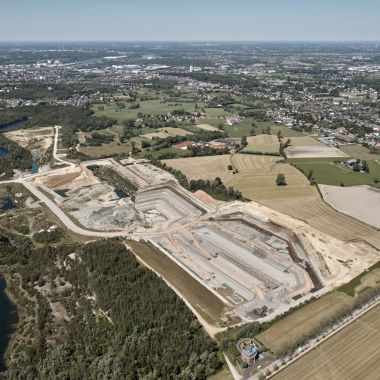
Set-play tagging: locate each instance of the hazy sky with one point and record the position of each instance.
(126, 20)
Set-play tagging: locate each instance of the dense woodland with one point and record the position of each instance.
(16, 158)
(119, 320)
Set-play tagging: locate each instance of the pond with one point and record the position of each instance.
(8, 321)
(13, 126)
(121, 194)
(62, 193)
(6, 204)
(35, 165)
(3, 152)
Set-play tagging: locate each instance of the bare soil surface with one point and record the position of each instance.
(360, 202)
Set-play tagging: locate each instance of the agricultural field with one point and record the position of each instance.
(262, 144)
(360, 152)
(305, 141)
(257, 179)
(203, 167)
(319, 215)
(307, 319)
(164, 133)
(337, 174)
(360, 202)
(285, 333)
(307, 147)
(350, 354)
(206, 127)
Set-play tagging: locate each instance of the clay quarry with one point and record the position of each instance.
(257, 261)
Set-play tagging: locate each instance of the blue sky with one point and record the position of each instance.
(142, 20)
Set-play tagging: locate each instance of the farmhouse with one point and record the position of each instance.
(184, 145)
(248, 350)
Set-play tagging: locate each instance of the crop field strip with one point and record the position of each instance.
(350, 354)
(262, 143)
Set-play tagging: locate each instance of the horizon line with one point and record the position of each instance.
(189, 41)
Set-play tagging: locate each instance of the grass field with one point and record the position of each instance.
(206, 303)
(336, 174)
(350, 354)
(263, 144)
(360, 152)
(289, 330)
(203, 167)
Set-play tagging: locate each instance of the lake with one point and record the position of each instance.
(8, 321)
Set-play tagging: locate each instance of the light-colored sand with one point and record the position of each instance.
(73, 178)
(37, 140)
(360, 202)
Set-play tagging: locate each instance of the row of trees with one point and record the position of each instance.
(215, 188)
